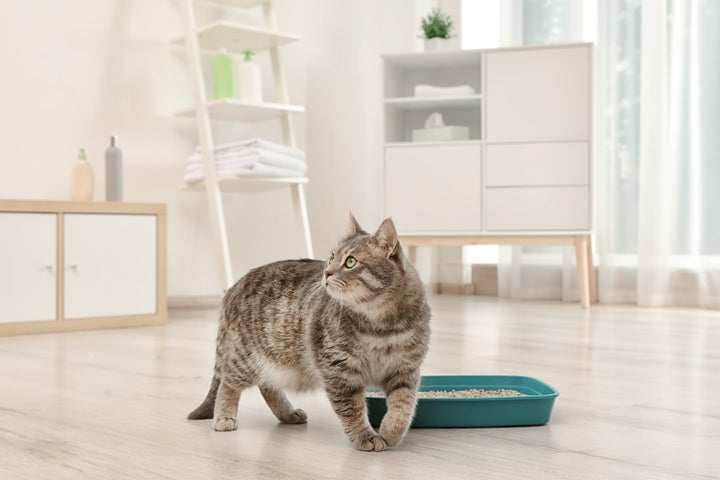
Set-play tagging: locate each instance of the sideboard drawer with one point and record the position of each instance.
(528, 164)
(537, 208)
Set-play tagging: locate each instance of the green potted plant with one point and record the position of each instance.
(437, 28)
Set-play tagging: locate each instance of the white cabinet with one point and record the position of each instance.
(523, 177)
(28, 251)
(434, 188)
(110, 265)
(77, 265)
(529, 151)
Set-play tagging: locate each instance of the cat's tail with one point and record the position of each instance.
(205, 410)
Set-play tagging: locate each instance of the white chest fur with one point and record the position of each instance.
(384, 355)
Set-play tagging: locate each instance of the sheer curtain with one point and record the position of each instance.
(657, 155)
(658, 233)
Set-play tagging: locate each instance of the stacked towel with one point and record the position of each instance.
(435, 91)
(254, 157)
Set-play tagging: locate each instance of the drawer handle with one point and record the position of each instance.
(47, 268)
(72, 268)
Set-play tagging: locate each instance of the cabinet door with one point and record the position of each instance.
(541, 93)
(434, 188)
(28, 252)
(110, 265)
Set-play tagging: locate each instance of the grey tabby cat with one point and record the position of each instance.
(359, 319)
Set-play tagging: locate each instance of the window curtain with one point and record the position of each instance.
(657, 158)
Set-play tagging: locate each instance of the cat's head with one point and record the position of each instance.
(364, 271)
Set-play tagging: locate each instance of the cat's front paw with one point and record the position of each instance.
(225, 424)
(296, 416)
(374, 443)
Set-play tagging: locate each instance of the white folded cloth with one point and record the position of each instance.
(257, 170)
(249, 157)
(423, 90)
(242, 145)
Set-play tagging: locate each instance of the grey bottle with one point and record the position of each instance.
(113, 172)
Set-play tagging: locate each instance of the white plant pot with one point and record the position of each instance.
(436, 44)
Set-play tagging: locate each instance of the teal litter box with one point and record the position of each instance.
(533, 408)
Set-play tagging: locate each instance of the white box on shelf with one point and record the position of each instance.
(440, 134)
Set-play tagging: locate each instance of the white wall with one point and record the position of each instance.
(76, 71)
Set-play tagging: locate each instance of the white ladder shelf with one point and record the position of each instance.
(237, 37)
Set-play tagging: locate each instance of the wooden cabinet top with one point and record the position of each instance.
(56, 206)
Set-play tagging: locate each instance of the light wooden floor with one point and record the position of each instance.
(639, 399)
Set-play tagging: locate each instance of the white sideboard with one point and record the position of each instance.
(81, 265)
(524, 175)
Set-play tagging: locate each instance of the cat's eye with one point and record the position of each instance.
(350, 262)
(332, 257)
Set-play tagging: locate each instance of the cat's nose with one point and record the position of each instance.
(327, 273)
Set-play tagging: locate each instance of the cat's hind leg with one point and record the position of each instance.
(281, 406)
(226, 405)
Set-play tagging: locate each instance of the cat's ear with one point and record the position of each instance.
(353, 228)
(387, 237)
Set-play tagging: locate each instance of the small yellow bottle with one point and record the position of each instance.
(81, 182)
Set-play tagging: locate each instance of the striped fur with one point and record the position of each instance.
(336, 325)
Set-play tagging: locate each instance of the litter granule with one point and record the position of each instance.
(472, 393)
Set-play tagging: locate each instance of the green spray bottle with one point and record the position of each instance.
(223, 75)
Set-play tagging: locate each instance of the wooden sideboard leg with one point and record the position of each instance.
(591, 272)
(581, 254)
(412, 253)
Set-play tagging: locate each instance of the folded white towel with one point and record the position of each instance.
(257, 170)
(241, 145)
(259, 164)
(251, 155)
(435, 91)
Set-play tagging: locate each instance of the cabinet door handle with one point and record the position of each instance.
(47, 268)
(72, 268)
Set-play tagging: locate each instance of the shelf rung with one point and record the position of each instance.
(234, 3)
(247, 184)
(236, 37)
(233, 110)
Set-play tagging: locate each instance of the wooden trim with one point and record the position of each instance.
(60, 209)
(194, 301)
(454, 289)
(55, 326)
(53, 206)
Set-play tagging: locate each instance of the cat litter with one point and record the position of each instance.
(472, 393)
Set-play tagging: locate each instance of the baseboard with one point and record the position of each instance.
(484, 283)
(194, 301)
(445, 288)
